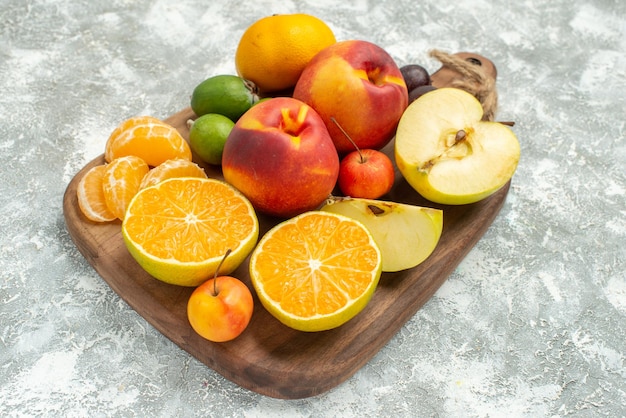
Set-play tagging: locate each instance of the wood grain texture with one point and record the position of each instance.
(270, 358)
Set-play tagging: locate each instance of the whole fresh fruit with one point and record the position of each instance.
(207, 136)
(316, 271)
(405, 234)
(280, 156)
(360, 85)
(415, 76)
(225, 94)
(274, 50)
(447, 154)
(366, 173)
(220, 309)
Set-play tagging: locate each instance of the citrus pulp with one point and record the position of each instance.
(179, 229)
(316, 271)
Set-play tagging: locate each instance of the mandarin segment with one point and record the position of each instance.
(149, 138)
(171, 169)
(179, 229)
(90, 194)
(121, 181)
(315, 272)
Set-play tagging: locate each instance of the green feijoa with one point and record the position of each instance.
(207, 136)
(227, 95)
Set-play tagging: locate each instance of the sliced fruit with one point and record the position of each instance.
(148, 138)
(90, 195)
(448, 154)
(316, 271)
(405, 234)
(171, 169)
(179, 229)
(121, 181)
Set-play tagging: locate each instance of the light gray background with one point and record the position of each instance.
(531, 323)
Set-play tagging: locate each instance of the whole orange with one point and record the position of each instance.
(274, 50)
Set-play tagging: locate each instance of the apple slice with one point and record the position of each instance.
(405, 234)
(447, 154)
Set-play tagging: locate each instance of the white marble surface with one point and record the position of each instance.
(530, 324)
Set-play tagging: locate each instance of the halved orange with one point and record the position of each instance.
(121, 181)
(149, 138)
(90, 195)
(316, 271)
(171, 169)
(179, 229)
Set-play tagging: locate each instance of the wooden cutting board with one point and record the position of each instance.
(270, 358)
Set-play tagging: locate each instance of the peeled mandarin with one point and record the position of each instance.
(121, 181)
(171, 169)
(90, 193)
(148, 138)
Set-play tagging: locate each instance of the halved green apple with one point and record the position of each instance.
(448, 154)
(405, 234)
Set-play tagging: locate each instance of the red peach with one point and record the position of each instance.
(280, 156)
(359, 84)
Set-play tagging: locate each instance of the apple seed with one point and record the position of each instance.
(375, 210)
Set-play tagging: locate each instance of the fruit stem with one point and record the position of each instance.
(331, 200)
(252, 88)
(349, 139)
(219, 266)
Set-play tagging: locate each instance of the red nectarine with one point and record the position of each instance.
(281, 157)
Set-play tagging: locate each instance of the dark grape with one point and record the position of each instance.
(419, 91)
(415, 76)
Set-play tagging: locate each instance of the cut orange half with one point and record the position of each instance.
(149, 138)
(179, 229)
(316, 271)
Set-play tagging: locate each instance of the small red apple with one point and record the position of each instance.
(220, 308)
(366, 173)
